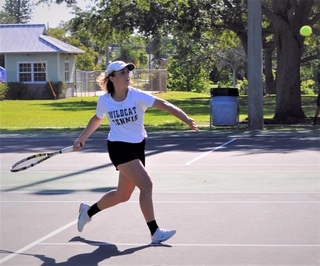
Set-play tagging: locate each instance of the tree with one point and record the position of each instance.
(187, 64)
(284, 17)
(229, 54)
(199, 20)
(6, 18)
(88, 60)
(287, 17)
(19, 10)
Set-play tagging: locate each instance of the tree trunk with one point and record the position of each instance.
(289, 46)
(270, 86)
(234, 75)
(288, 100)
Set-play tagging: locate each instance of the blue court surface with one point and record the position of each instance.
(235, 197)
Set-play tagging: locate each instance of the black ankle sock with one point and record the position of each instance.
(94, 209)
(152, 227)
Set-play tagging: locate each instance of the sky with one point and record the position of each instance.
(53, 14)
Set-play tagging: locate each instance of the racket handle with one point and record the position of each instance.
(67, 149)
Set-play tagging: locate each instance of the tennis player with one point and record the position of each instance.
(125, 107)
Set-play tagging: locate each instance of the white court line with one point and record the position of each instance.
(186, 201)
(177, 164)
(178, 192)
(37, 242)
(179, 245)
(214, 149)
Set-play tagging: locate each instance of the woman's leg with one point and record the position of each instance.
(137, 174)
(132, 174)
(121, 194)
(114, 197)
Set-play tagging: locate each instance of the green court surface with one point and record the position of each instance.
(235, 197)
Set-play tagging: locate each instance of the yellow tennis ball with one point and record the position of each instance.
(305, 30)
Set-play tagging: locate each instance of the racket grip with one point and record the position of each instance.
(67, 149)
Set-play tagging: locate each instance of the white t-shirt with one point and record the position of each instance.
(127, 117)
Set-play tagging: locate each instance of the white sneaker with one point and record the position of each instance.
(83, 217)
(162, 235)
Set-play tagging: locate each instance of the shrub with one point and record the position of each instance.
(185, 77)
(58, 87)
(308, 87)
(243, 86)
(3, 90)
(15, 90)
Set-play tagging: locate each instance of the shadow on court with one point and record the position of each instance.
(70, 191)
(254, 201)
(268, 142)
(103, 251)
(285, 141)
(57, 178)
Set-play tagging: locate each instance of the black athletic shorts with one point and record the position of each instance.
(318, 100)
(123, 152)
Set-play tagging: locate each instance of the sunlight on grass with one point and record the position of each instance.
(76, 112)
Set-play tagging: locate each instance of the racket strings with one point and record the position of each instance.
(29, 162)
(36, 159)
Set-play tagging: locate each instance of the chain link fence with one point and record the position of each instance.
(151, 80)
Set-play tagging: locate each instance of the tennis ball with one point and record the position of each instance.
(305, 30)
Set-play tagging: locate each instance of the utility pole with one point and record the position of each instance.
(255, 91)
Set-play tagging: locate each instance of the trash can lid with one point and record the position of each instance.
(224, 92)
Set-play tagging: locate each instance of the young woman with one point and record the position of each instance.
(125, 107)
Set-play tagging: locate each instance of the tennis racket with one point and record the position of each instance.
(36, 159)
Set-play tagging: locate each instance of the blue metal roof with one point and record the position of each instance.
(31, 38)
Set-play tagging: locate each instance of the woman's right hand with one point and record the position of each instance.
(78, 145)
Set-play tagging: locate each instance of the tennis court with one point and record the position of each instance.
(235, 197)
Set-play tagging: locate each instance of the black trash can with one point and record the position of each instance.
(224, 107)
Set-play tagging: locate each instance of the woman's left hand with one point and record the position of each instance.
(191, 123)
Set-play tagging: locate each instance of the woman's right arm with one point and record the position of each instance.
(92, 126)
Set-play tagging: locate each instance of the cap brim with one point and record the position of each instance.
(131, 67)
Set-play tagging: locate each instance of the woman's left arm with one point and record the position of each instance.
(176, 111)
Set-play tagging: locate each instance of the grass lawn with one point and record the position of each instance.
(74, 113)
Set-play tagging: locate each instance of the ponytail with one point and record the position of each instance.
(105, 83)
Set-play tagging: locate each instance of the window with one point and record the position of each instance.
(25, 72)
(66, 71)
(32, 72)
(39, 72)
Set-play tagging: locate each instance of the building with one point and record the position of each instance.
(29, 55)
